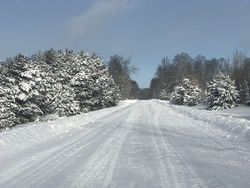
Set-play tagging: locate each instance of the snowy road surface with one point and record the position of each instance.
(144, 144)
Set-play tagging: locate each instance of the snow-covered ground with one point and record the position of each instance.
(227, 123)
(238, 112)
(241, 111)
(137, 144)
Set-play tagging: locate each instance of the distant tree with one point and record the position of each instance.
(155, 87)
(121, 71)
(211, 68)
(183, 63)
(238, 60)
(145, 94)
(134, 91)
(165, 78)
(241, 74)
(198, 70)
(244, 91)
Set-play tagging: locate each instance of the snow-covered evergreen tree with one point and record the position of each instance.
(25, 77)
(185, 94)
(58, 96)
(54, 82)
(94, 87)
(222, 93)
(7, 102)
(177, 96)
(75, 82)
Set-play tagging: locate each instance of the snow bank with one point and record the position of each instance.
(238, 112)
(25, 135)
(230, 126)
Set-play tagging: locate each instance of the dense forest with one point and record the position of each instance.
(64, 83)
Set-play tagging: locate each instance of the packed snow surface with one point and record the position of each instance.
(140, 144)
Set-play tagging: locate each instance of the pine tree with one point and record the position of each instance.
(65, 103)
(177, 96)
(53, 82)
(7, 102)
(94, 87)
(58, 96)
(222, 93)
(185, 94)
(193, 93)
(25, 78)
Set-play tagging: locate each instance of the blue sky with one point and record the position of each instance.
(146, 30)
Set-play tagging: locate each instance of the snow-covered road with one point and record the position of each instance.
(143, 144)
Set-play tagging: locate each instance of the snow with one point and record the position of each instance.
(241, 111)
(31, 133)
(136, 144)
(219, 121)
(238, 112)
(25, 86)
(22, 97)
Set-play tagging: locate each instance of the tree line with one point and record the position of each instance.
(200, 71)
(53, 82)
(121, 70)
(68, 83)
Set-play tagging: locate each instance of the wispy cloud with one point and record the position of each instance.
(92, 19)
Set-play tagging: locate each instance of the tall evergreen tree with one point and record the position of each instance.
(26, 78)
(7, 102)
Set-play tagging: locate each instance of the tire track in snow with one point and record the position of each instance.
(147, 145)
(166, 170)
(98, 171)
(185, 175)
(54, 158)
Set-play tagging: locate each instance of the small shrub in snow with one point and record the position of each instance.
(222, 93)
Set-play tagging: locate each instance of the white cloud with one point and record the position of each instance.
(92, 19)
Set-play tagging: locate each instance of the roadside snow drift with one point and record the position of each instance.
(226, 125)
